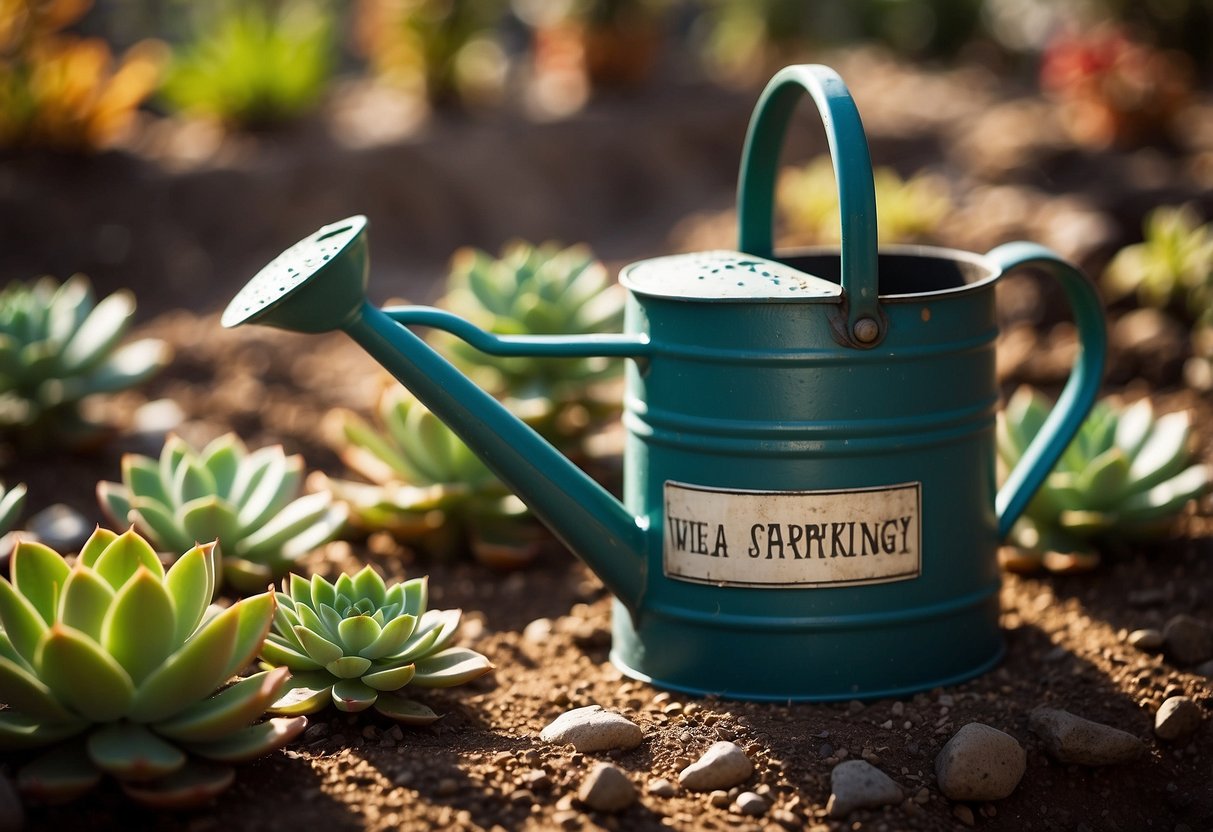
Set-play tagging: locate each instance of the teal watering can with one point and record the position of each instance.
(810, 507)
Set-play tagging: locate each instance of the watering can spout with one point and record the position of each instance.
(319, 285)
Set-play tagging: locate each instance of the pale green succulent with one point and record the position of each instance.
(426, 486)
(537, 290)
(357, 643)
(247, 501)
(12, 500)
(1172, 265)
(907, 211)
(58, 346)
(117, 665)
(1125, 475)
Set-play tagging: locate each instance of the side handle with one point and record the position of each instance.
(1080, 391)
(551, 346)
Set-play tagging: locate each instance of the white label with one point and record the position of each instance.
(792, 538)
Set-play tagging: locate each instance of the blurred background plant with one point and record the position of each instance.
(907, 210)
(65, 92)
(59, 346)
(1126, 477)
(426, 488)
(254, 63)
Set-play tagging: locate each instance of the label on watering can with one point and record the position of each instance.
(792, 538)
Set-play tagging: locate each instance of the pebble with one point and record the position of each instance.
(156, 418)
(12, 815)
(60, 527)
(857, 784)
(538, 631)
(719, 798)
(1204, 669)
(722, 766)
(749, 803)
(1178, 717)
(1188, 640)
(963, 814)
(1072, 739)
(1149, 639)
(607, 789)
(662, 788)
(980, 763)
(593, 729)
(786, 819)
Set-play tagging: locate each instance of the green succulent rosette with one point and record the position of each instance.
(245, 500)
(118, 667)
(58, 346)
(1126, 475)
(356, 643)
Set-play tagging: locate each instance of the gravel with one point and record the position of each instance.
(722, 766)
(857, 784)
(980, 763)
(607, 789)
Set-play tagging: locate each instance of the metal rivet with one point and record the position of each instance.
(866, 330)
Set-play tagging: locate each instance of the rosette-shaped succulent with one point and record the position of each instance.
(538, 290)
(58, 345)
(1172, 266)
(244, 500)
(429, 489)
(118, 666)
(357, 643)
(1125, 475)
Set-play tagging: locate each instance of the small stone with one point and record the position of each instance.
(538, 631)
(1188, 640)
(1149, 640)
(788, 820)
(749, 803)
(593, 729)
(963, 814)
(156, 418)
(12, 815)
(1178, 717)
(1071, 739)
(662, 788)
(722, 766)
(447, 787)
(60, 527)
(980, 763)
(607, 789)
(719, 798)
(856, 784)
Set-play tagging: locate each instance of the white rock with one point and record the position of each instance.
(752, 804)
(857, 784)
(593, 729)
(980, 763)
(1178, 717)
(60, 527)
(607, 789)
(1148, 639)
(1072, 739)
(722, 766)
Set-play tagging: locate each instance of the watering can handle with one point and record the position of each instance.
(1079, 393)
(852, 171)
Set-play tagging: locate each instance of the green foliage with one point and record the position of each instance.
(357, 643)
(59, 346)
(907, 211)
(1171, 267)
(12, 500)
(255, 64)
(245, 500)
(1127, 474)
(429, 489)
(537, 290)
(117, 666)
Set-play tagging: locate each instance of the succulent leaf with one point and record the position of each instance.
(190, 786)
(22, 623)
(139, 630)
(83, 676)
(319, 649)
(279, 653)
(305, 693)
(38, 573)
(130, 751)
(450, 667)
(120, 560)
(63, 773)
(23, 691)
(404, 710)
(393, 678)
(352, 695)
(190, 582)
(192, 671)
(97, 543)
(85, 601)
(251, 741)
(228, 711)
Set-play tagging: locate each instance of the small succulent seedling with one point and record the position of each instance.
(907, 211)
(1125, 475)
(117, 665)
(357, 643)
(428, 489)
(1172, 266)
(245, 500)
(57, 347)
(12, 500)
(538, 290)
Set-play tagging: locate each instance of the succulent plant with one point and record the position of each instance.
(117, 665)
(426, 487)
(357, 643)
(1125, 475)
(538, 290)
(907, 211)
(58, 345)
(1172, 266)
(245, 500)
(12, 500)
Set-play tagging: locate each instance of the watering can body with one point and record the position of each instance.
(810, 507)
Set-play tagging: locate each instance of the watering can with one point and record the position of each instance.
(810, 507)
